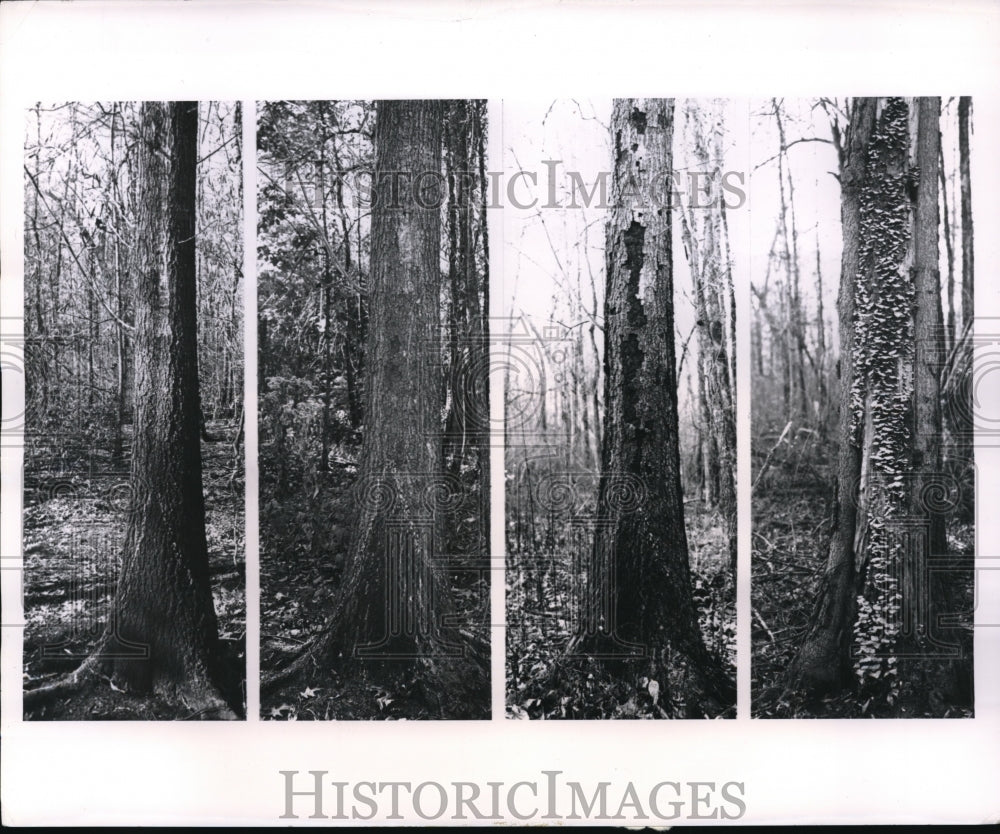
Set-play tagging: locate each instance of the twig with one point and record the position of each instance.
(770, 456)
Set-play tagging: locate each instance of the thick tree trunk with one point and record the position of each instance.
(639, 605)
(467, 398)
(478, 161)
(162, 635)
(465, 426)
(164, 600)
(874, 601)
(392, 609)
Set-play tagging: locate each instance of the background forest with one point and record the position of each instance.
(802, 152)
(81, 251)
(317, 172)
(555, 303)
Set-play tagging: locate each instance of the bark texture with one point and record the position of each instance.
(874, 604)
(639, 606)
(392, 610)
(164, 599)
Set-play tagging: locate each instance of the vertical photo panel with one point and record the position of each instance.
(620, 408)
(134, 572)
(862, 429)
(373, 400)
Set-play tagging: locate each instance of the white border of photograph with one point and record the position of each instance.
(103, 773)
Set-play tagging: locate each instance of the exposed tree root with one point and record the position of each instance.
(204, 701)
(69, 684)
(304, 659)
(198, 697)
(452, 685)
(688, 673)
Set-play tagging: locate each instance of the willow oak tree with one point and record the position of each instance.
(639, 613)
(391, 616)
(162, 635)
(874, 605)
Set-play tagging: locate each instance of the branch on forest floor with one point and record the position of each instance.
(770, 456)
(763, 625)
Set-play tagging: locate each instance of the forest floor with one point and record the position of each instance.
(304, 537)
(539, 625)
(792, 523)
(74, 527)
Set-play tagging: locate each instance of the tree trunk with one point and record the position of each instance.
(928, 332)
(709, 272)
(961, 408)
(391, 611)
(467, 405)
(163, 635)
(947, 235)
(639, 606)
(478, 161)
(873, 602)
(122, 365)
(968, 253)
(820, 346)
(709, 449)
(326, 295)
(823, 660)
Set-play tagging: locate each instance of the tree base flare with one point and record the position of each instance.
(95, 690)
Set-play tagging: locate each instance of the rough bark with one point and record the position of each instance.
(162, 636)
(929, 346)
(947, 233)
(164, 599)
(639, 608)
(873, 598)
(960, 405)
(467, 399)
(391, 612)
(466, 447)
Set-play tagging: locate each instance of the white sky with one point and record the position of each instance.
(552, 251)
(817, 195)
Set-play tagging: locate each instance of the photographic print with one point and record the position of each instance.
(620, 409)
(554, 455)
(134, 577)
(373, 370)
(862, 352)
